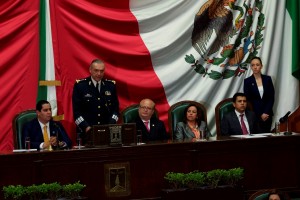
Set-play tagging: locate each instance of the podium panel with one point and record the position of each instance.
(113, 135)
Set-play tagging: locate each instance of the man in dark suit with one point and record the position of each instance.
(43, 132)
(148, 124)
(240, 121)
(95, 100)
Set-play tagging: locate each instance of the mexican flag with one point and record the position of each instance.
(163, 50)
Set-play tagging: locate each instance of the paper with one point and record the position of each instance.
(78, 147)
(24, 150)
(249, 136)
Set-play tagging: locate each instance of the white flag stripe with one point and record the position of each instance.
(50, 71)
(166, 28)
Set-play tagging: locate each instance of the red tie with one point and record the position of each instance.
(244, 129)
(146, 124)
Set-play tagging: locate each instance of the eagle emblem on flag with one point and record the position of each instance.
(226, 35)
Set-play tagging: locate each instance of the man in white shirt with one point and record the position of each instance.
(241, 121)
(43, 132)
(148, 124)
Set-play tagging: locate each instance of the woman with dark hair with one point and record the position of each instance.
(277, 195)
(260, 93)
(192, 124)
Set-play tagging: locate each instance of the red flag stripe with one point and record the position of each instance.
(85, 30)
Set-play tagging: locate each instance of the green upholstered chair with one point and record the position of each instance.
(222, 108)
(18, 122)
(130, 113)
(260, 195)
(176, 113)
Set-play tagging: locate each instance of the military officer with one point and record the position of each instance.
(95, 101)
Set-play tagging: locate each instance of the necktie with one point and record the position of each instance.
(46, 137)
(244, 129)
(147, 125)
(97, 86)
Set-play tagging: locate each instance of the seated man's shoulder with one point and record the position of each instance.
(229, 114)
(137, 118)
(161, 122)
(30, 123)
(155, 119)
(55, 123)
(34, 120)
(250, 112)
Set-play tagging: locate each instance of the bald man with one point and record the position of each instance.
(151, 127)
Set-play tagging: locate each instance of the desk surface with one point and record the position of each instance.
(269, 162)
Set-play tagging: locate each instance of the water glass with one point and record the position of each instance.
(202, 135)
(139, 137)
(27, 143)
(79, 145)
(277, 128)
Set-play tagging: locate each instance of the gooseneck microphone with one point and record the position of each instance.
(60, 144)
(285, 117)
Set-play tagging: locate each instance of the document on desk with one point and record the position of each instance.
(23, 150)
(249, 136)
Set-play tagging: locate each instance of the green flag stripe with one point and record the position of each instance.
(42, 91)
(293, 7)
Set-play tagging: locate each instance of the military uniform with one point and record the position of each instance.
(91, 107)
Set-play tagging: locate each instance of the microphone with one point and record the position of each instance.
(57, 128)
(60, 144)
(285, 117)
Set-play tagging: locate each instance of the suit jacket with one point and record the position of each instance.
(91, 107)
(33, 130)
(264, 104)
(157, 129)
(183, 131)
(230, 124)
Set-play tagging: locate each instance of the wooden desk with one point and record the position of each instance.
(271, 162)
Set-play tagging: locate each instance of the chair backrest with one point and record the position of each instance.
(260, 195)
(176, 113)
(18, 122)
(130, 113)
(222, 108)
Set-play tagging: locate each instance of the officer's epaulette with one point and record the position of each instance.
(113, 81)
(78, 80)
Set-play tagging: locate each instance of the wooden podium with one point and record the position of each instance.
(113, 135)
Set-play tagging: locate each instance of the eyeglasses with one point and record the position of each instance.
(146, 108)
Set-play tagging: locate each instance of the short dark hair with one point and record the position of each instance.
(238, 94)
(96, 60)
(282, 195)
(255, 57)
(199, 116)
(40, 104)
